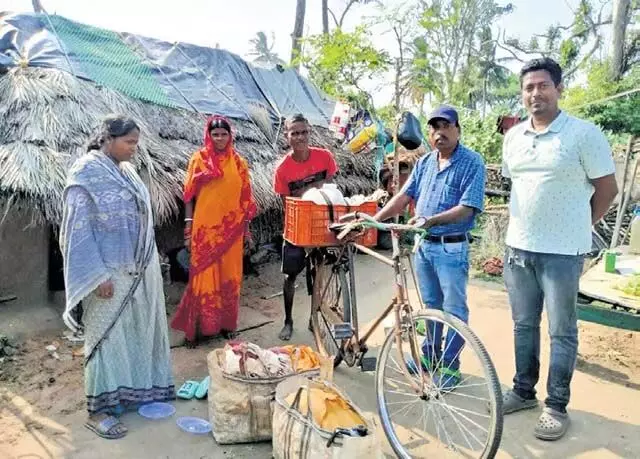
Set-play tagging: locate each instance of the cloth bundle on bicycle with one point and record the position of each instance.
(314, 419)
(243, 383)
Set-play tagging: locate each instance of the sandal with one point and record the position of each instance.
(188, 390)
(203, 388)
(552, 425)
(512, 403)
(110, 428)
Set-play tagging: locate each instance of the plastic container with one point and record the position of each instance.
(340, 120)
(194, 425)
(634, 241)
(156, 410)
(610, 261)
(306, 224)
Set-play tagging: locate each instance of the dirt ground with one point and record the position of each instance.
(42, 402)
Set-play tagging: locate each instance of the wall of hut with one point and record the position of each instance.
(24, 257)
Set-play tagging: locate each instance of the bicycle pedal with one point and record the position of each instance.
(368, 363)
(342, 331)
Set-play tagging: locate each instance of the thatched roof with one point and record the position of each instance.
(47, 116)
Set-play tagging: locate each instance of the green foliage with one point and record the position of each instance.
(569, 51)
(387, 115)
(482, 136)
(571, 46)
(454, 56)
(338, 62)
(620, 115)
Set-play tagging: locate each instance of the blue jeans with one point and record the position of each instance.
(531, 279)
(443, 272)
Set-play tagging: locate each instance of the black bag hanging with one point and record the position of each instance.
(409, 131)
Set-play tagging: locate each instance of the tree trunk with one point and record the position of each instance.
(325, 16)
(619, 28)
(484, 96)
(397, 85)
(298, 30)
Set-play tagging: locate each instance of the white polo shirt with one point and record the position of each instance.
(550, 209)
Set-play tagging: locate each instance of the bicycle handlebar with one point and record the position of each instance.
(367, 221)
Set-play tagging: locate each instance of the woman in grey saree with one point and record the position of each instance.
(111, 264)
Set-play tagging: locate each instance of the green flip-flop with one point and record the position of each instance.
(203, 388)
(188, 390)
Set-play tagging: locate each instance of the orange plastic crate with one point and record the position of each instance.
(306, 224)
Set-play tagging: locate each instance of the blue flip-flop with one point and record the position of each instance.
(105, 426)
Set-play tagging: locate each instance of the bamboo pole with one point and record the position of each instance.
(623, 194)
(632, 140)
(396, 165)
(627, 196)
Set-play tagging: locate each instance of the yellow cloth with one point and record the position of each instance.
(328, 409)
(303, 358)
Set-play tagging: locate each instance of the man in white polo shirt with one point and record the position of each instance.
(563, 181)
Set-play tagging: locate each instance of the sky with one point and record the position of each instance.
(230, 24)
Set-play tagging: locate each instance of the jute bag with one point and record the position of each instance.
(240, 409)
(296, 436)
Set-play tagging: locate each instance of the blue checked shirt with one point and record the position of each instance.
(459, 183)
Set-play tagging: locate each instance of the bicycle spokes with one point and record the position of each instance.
(455, 412)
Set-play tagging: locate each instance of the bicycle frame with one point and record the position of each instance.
(399, 304)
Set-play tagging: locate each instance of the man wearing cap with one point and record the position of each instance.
(447, 186)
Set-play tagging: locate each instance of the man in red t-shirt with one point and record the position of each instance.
(302, 168)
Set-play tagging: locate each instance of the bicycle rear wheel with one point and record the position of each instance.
(438, 420)
(330, 295)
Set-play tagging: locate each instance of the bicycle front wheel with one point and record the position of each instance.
(454, 410)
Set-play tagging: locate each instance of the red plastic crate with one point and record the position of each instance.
(306, 224)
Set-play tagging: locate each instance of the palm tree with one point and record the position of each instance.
(262, 51)
(422, 79)
(491, 73)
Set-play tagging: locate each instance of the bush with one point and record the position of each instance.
(493, 230)
(482, 136)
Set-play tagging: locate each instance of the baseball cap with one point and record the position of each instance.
(444, 112)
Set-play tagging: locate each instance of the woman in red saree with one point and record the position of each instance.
(219, 206)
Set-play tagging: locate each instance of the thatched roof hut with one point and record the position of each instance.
(46, 118)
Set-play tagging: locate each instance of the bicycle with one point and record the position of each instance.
(337, 333)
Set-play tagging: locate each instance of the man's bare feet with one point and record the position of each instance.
(286, 332)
